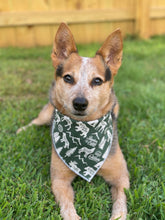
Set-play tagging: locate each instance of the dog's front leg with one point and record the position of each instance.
(119, 210)
(115, 172)
(61, 178)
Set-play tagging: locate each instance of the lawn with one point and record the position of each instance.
(25, 78)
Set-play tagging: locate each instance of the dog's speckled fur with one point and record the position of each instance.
(92, 79)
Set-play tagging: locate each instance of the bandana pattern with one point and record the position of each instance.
(82, 146)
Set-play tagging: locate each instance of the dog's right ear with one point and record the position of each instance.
(64, 45)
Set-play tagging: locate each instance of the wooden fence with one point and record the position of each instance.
(29, 23)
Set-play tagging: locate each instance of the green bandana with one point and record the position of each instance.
(82, 146)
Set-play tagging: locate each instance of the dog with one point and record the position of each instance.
(83, 91)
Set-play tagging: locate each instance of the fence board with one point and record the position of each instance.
(24, 36)
(143, 18)
(157, 12)
(43, 35)
(7, 37)
(7, 34)
(81, 16)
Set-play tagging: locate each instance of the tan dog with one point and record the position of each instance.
(83, 90)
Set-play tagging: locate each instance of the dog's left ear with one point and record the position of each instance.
(63, 46)
(112, 50)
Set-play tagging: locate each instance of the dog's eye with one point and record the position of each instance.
(68, 79)
(96, 81)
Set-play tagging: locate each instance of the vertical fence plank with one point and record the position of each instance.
(7, 34)
(56, 5)
(42, 33)
(7, 37)
(142, 22)
(24, 34)
(158, 25)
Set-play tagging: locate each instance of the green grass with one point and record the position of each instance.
(25, 78)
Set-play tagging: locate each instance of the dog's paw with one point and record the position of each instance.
(72, 216)
(20, 129)
(121, 216)
(70, 213)
(23, 128)
(115, 218)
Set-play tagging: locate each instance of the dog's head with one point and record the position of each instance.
(83, 85)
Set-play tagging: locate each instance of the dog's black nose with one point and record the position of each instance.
(80, 103)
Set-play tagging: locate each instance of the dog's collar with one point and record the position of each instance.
(82, 146)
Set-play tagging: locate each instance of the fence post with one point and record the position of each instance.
(142, 20)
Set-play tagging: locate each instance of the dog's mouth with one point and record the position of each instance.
(79, 114)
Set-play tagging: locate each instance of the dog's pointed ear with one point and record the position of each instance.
(111, 51)
(64, 45)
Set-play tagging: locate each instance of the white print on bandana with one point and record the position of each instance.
(68, 121)
(66, 142)
(70, 152)
(86, 151)
(74, 139)
(82, 128)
